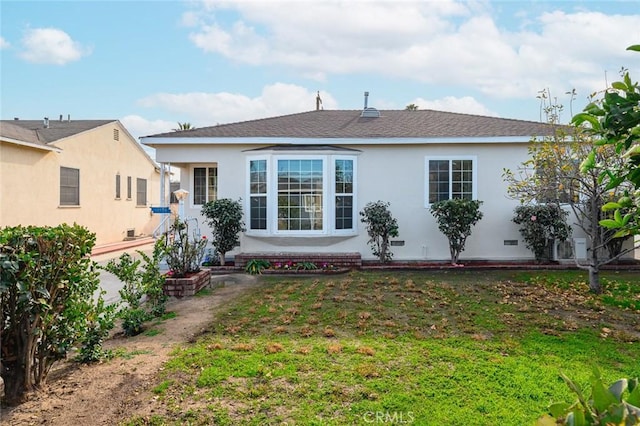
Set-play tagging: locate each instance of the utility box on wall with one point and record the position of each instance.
(564, 250)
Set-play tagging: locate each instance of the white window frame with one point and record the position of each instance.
(263, 232)
(328, 198)
(450, 158)
(192, 178)
(354, 219)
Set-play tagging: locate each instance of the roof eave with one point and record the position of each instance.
(156, 141)
(31, 145)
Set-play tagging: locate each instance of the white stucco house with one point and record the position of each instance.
(303, 178)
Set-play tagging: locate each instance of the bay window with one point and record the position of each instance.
(301, 194)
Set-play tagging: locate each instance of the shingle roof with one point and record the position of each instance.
(11, 131)
(56, 130)
(390, 124)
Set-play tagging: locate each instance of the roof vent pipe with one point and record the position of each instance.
(366, 99)
(68, 118)
(61, 118)
(46, 122)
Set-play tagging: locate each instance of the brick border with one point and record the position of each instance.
(188, 286)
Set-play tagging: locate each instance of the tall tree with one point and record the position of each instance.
(553, 175)
(411, 107)
(614, 124)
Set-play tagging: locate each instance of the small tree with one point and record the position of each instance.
(455, 219)
(553, 175)
(380, 226)
(224, 217)
(540, 224)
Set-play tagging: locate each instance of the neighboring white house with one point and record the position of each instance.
(304, 178)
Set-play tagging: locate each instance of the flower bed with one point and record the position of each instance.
(187, 286)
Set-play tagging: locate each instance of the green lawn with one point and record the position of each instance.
(424, 348)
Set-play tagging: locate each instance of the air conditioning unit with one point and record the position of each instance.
(564, 250)
(131, 233)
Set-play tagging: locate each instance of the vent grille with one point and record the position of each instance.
(116, 134)
(370, 113)
(131, 233)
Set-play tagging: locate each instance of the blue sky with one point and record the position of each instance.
(151, 64)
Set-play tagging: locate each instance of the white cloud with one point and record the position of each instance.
(208, 109)
(4, 43)
(464, 105)
(51, 46)
(435, 42)
(139, 126)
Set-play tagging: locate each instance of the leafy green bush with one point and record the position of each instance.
(255, 266)
(224, 217)
(540, 225)
(616, 405)
(47, 287)
(100, 322)
(455, 219)
(140, 277)
(307, 266)
(153, 280)
(381, 226)
(133, 320)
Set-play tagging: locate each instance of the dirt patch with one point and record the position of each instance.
(109, 392)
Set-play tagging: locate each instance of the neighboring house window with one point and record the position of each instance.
(118, 186)
(450, 178)
(141, 192)
(69, 186)
(302, 194)
(116, 134)
(128, 187)
(258, 194)
(205, 184)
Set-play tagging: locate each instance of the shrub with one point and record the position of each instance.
(100, 321)
(224, 217)
(307, 266)
(47, 286)
(140, 277)
(133, 320)
(616, 405)
(455, 219)
(380, 226)
(153, 280)
(182, 252)
(540, 225)
(255, 266)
